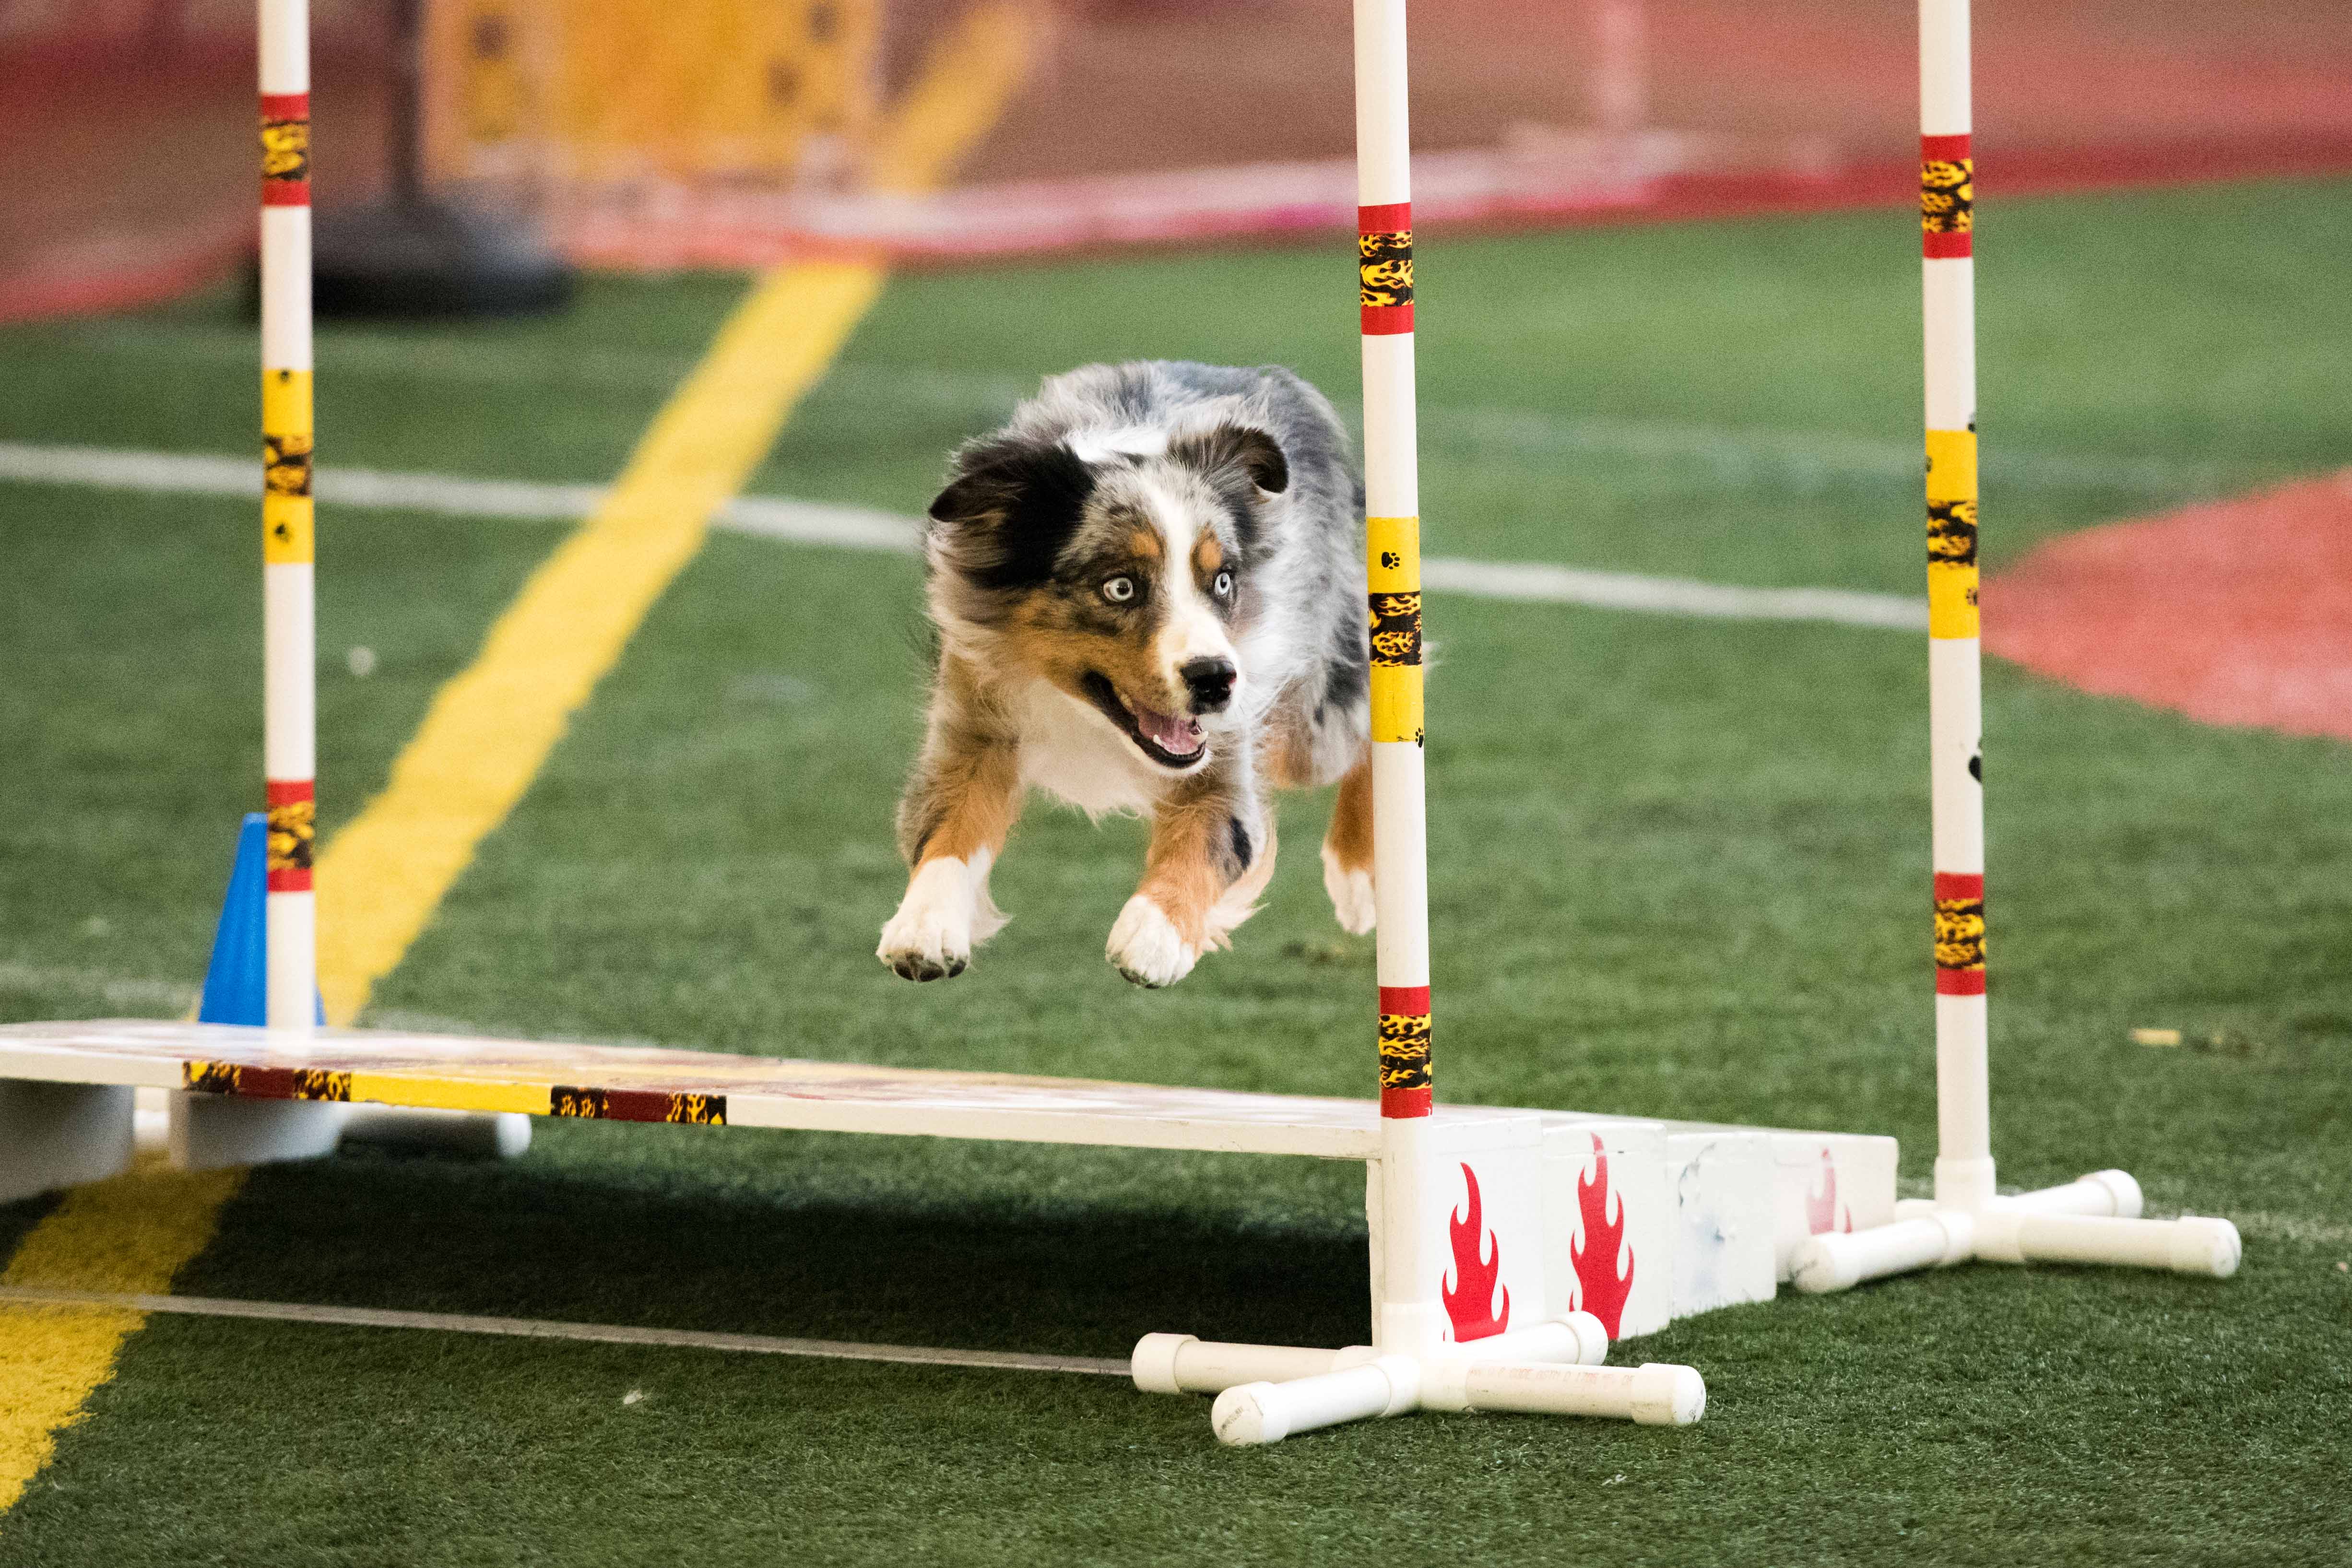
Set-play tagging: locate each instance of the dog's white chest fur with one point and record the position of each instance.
(1072, 752)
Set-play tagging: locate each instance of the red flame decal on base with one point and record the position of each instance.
(1601, 1290)
(1821, 1207)
(1477, 1267)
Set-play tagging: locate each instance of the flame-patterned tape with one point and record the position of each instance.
(1384, 267)
(1947, 198)
(637, 1105)
(1406, 1079)
(252, 1083)
(1952, 534)
(285, 149)
(293, 829)
(1959, 934)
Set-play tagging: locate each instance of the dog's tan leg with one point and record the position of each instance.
(1212, 854)
(962, 802)
(1347, 850)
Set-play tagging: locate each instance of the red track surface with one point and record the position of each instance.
(2238, 612)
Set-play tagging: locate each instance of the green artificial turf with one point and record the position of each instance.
(1678, 869)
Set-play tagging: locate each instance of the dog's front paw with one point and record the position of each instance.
(1146, 947)
(931, 937)
(1351, 895)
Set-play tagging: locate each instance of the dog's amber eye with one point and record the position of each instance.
(1120, 590)
(1224, 585)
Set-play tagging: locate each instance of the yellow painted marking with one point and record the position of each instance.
(1952, 602)
(1396, 702)
(972, 74)
(1393, 552)
(1952, 584)
(381, 878)
(1951, 466)
(285, 403)
(289, 531)
(451, 1093)
(130, 1235)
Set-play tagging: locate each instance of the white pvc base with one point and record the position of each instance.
(209, 1131)
(205, 1131)
(2093, 1219)
(61, 1134)
(1265, 1393)
(463, 1134)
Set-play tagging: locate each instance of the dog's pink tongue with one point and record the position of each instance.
(1177, 737)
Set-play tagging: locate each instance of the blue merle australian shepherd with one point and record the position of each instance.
(1150, 594)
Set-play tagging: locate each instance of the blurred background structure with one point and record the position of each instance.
(650, 135)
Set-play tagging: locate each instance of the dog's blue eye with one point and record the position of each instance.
(1225, 584)
(1120, 590)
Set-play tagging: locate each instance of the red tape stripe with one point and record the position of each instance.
(1959, 884)
(286, 106)
(636, 1105)
(290, 879)
(267, 1083)
(1386, 320)
(1960, 982)
(1387, 218)
(1938, 246)
(1403, 1104)
(1944, 149)
(285, 791)
(285, 193)
(1409, 1001)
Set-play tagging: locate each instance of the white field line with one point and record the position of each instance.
(1803, 458)
(860, 528)
(587, 1334)
(180, 474)
(1536, 581)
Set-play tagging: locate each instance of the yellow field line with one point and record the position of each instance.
(489, 729)
(493, 725)
(129, 1235)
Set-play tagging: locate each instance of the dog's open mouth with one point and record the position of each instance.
(1169, 740)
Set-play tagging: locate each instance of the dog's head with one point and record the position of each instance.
(1119, 566)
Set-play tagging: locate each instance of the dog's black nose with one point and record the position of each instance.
(1209, 682)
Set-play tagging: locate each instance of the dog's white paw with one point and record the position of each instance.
(931, 937)
(1351, 895)
(1145, 947)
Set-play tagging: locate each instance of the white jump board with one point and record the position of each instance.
(391, 1067)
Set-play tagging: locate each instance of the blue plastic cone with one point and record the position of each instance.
(237, 981)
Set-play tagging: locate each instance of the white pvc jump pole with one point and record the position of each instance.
(1265, 1393)
(2093, 1219)
(290, 742)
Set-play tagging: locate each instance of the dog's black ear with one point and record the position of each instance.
(1004, 517)
(999, 481)
(1242, 448)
